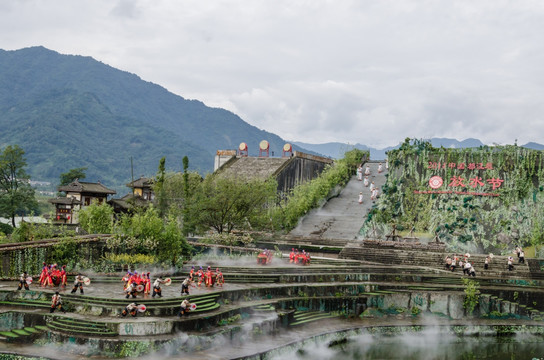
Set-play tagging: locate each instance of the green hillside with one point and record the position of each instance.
(71, 111)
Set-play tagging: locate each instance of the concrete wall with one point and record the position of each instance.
(302, 167)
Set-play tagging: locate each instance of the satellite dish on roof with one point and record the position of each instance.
(263, 148)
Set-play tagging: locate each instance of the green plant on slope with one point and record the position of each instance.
(472, 295)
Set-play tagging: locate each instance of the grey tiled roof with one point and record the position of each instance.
(142, 182)
(65, 201)
(86, 187)
(254, 167)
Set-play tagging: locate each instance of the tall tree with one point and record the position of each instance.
(97, 218)
(16, 194)
(72, 174)
(223, 203)
(187, 226)
(159, 188)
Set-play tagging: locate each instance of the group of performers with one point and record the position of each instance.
(463, 262)
(265, 257)
(209, 277)
(521, 258)
(367, 171)
(297, 257)
(468, 269)
(374, 191)
(360, 171)
(135, 283)
(52, 275)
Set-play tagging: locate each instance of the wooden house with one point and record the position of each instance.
(142, 195)
(79, 194)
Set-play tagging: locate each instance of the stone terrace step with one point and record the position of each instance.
(42, 304)
(429, 259)
(149, 302)
(21, 335)
(305, 317)
(80, 327)
(316, 243)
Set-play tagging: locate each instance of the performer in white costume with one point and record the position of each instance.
(360, 173)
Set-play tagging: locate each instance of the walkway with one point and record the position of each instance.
(341, 217)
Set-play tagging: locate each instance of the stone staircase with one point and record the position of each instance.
(79, 327)
(26, 334)
(156, 307)
(305, 317)
(341, 217)
(27, 303)
(395, 257)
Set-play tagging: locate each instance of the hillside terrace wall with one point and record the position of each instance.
(301, 168)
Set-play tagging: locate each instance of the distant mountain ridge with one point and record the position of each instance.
(69, 111)
(336, 150)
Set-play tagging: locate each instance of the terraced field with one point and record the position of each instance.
(331, 293)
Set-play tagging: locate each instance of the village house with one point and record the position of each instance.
(142, 195)
(79, 194)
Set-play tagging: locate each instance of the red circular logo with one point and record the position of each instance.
(435, 182)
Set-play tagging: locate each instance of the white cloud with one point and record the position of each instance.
(372, 72)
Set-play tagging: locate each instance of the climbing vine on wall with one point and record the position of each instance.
(464, 218)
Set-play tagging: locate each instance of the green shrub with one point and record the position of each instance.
(7, 229)
(472, 295)
(415, 311)
(130, 259)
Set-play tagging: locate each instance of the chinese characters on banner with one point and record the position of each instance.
(460, 166)
(458, 184)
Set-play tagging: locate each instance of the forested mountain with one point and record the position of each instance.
(336, 150)
(70, 111)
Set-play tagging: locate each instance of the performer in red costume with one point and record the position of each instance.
(48, 281)
(147, 284)
(292, 256)
(296, 256)
(126, 280)
(43, 274)
(55, 275)
(63, 276)
(219, 280)
(192, 273)
(200, 274)
(209, 277)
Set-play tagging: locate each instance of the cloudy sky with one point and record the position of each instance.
(370, 72)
